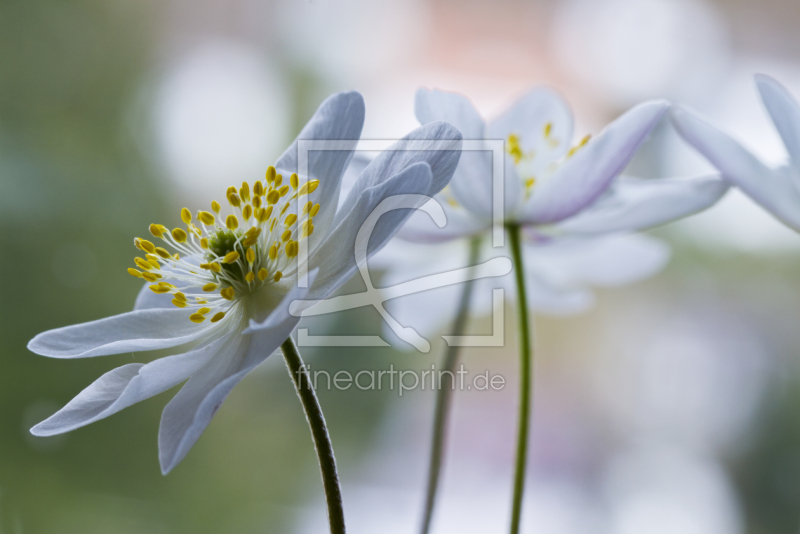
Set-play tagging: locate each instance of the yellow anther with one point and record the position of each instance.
(585, 139)
(206, 217)
(211, 267)
(232, 222)
(234, 200)
(514, 148)
(257, 200)
(277, 276)
(273, 197)
(270, 174)
(247, 212)
(231, 189)
(211, 286)
(258, 190)
(308, 228)
(215, 207)
(290, 219)
(227, 293)
(291, 249)
(179, 303)
(308, 207)
(250, 255)
(294, 180)
(200, 301)
(250, 240)
(180, 296)
(179, 235)
(204, 243)
(308, 187)
(273, 251)
(196, 318)
(186, 215)
(217, 317)
(158, 230)
(142, 264)
(159, 289)
(249, 277)
(285, 207)
(262, 274)
(272, 224)
(203, 311)
(150, 277)
(530, 182)
(286, 235)
(266, 213)
(143, 244)
(230, 257)
(163, 253)
(134, 272)
(314, 210)
(548, 128)
(283, 190)
(278, 181)
(244, 192)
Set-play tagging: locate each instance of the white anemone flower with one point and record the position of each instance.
(776, 189)
(576, 212)
(219, 299)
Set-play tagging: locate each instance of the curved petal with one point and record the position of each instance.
(335, 258)
(128, 332)
(125, 386)
(280, 317)
(421, 228)
(611, 260)
(635, 204)
(772, 190)
(438, 144)
(339, 118)
(189, 413)
(785, 114)
(582, 178)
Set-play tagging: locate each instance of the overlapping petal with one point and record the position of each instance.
(635, 204)
(772, 189)
(582, 178)
(785, 114)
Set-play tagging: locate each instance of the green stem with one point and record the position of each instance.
(526, 375)
(444, 395)
(322, 441)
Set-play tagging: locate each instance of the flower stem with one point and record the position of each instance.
(444, 395)
(319, 431)
(526, 375)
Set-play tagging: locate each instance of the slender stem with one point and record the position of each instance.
(322, 440)
(526, 375)
(444, 395)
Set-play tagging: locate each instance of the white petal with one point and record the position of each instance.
(444, 150)
(335, 258)
(339, 118)
(771, 189)
(610, 260)
(785, 113)
(581, 179)
(280, 318)
(421, 228)
(188, 414)
(553, 300)
(125, 386)
(129, 332)
(634, 204)
(471, 184)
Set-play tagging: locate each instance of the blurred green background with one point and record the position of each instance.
(98, 139)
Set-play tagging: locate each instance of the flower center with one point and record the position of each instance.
(540, 162)
(227, 258)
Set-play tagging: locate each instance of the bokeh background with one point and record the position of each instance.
(673, 406)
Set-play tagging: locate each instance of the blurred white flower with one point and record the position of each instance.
(569, 200)
(776, 189)
(232, 286)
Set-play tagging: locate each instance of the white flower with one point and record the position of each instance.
(575, 209)
(776, 190)
(219, 301)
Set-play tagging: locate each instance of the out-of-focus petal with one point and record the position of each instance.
(635, 204)
(582, 178)
(771, 189)
(785, 113)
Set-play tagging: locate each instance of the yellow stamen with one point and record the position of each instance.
(293, 180)
(273, 197)
(245, 191)
(277, 276)
(137, 274)
(211, 286)
(230, 257)
(217, 317)
(179, 235)
(270, 174)
(308, 187)
(227, 293)
(232, 222)
(262, 274)
(258, 190)
(196, 318)
(290, 219)
(158, 230)
(283, 190)
(206, 217)
(215, 207)
(250, 255)
(186, 215)
(249, 277)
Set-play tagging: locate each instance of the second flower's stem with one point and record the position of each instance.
(444, 395)
(525, 380)
(319, 432)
